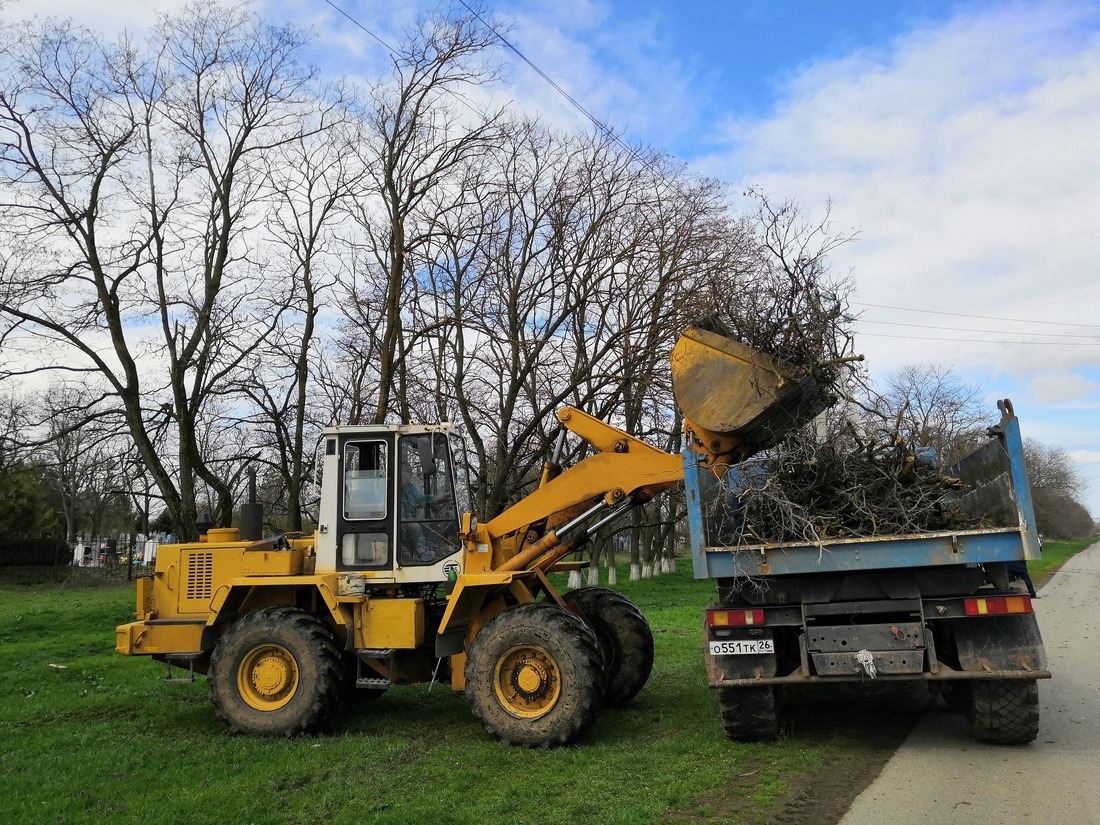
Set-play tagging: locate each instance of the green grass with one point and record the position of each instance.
(87, 734)
(1055, 554)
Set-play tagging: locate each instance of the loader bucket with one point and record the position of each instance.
(735, 399)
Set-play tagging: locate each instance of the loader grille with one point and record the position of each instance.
(200, 576)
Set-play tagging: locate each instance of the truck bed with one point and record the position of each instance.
(995, 489)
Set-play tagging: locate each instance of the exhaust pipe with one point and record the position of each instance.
(252, 512)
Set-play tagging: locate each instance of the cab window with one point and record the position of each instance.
(365, 480)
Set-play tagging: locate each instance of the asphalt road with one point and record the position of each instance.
(941, 775)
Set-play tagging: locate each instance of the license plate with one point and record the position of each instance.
(728, 648)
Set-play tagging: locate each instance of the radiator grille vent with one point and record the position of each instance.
(200, 576)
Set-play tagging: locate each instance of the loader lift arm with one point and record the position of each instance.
(509, 553)
(625, 471)
(735, 400)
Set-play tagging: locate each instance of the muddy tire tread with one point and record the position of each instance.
(577, 654)
(317, 657)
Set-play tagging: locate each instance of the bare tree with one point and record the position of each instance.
(417, 137)
(24, 510)
(1050, 467)
(312, 182)
(1056, 489)
(934, 407)
(75, 441)
(138, 172)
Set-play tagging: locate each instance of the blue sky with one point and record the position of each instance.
(959, 140)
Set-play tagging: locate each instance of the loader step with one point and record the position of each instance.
(171, 679)
(372, 682)
(375, 652)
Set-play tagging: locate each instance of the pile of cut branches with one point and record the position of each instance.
(780, 297)
(854, 474)
(848, 482)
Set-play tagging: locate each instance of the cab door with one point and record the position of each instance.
(427, 508)
(367, 506)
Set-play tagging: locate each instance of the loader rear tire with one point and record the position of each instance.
(749, 714)
(625, 640)
(1003, 711)
(534, 676)
(276, 672)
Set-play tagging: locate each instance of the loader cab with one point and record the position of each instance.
(391, 500)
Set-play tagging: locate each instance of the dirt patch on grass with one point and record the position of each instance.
(858, 743)
(852, 738)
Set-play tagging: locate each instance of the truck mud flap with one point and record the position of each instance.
(753, 667)
(999, 643)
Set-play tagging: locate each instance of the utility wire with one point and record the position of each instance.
(606, 130)
(982, 317)
(609, 133)
(397, 55)
(982, 341)
(1096, 339)
(388, 47)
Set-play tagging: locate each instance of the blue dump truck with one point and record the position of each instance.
(935, 610)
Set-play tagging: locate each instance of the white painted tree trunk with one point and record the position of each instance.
(647, 570)
(575, 579)
(635, 572)
(669, 564)
(612, 576)
(593, 576)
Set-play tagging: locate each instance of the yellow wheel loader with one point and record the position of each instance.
(401, 584)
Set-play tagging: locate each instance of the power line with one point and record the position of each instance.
(983, 331)
(982, 341)
(604, 129)
(397, 55)
(982, 317)
(388, 47)
(607, 131)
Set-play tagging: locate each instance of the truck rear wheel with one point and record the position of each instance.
(533, 676)
(749, 714)
(625, 640)
(1004, 711)
(276, 672)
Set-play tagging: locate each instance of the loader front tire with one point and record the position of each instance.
(276, 672)
(749, 714)
(534, 676)
(625, 640)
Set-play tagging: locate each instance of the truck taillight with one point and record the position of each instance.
(998, 605)
(734, 618)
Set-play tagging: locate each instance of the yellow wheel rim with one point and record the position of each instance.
(527, 681)
(267, 677)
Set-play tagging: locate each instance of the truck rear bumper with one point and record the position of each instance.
(943, 675)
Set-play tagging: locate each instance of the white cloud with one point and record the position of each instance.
(965, 155)
(109, 18)
(618, 67)
(1085, 456)
(1062, 387)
